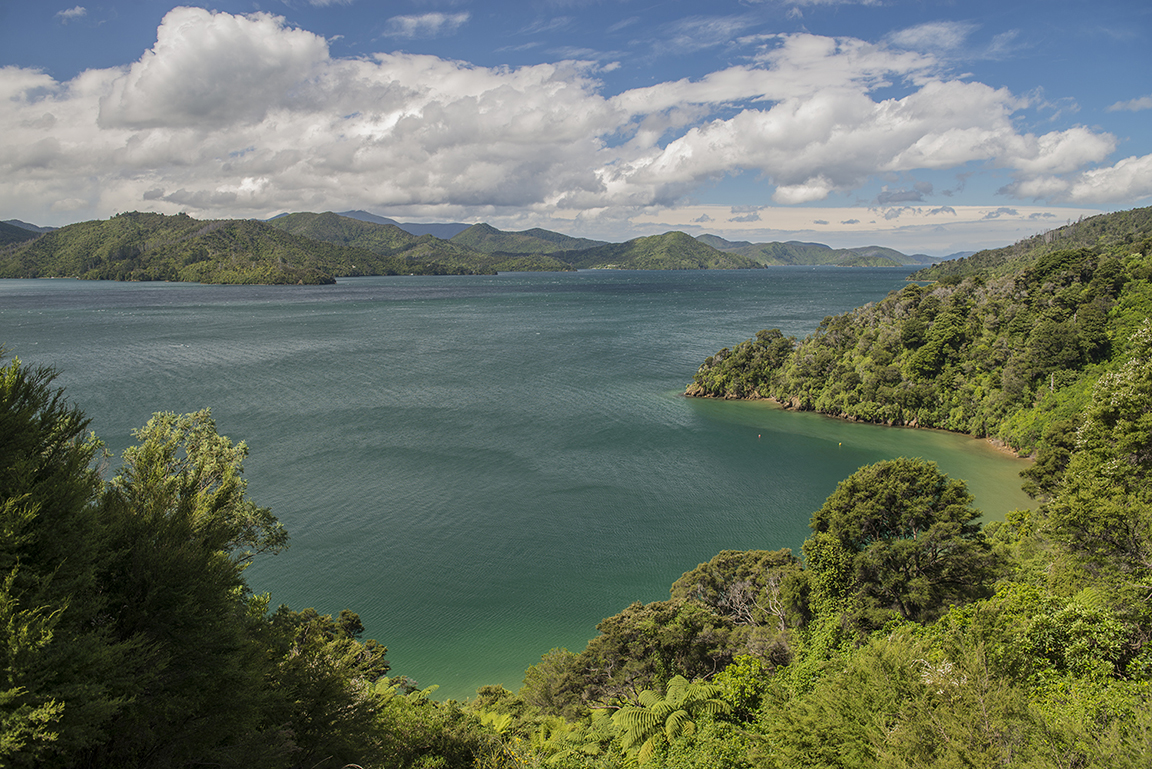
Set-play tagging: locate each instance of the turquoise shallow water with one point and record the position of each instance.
(483, 467)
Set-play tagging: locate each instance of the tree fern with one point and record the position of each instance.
(662, 718)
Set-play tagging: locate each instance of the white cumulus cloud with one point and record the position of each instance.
(213, 69)
(245, 115)
(426, 25)
(68, 15)
(1128, 180)
(1132, 105)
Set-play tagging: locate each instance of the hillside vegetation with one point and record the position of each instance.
(10, 233)
(142, 246)
(486, 238)
(670, 251)
(794, 252)
(317, 248)
(433, 254)
(1107, 231)
(1008, 355)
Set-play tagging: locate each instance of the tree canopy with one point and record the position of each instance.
(912, 538)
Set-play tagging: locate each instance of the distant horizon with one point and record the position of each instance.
(838, 240)
(953, 254)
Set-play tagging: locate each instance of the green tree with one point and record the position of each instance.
(57, 693)
(912, 537)
(743, 684)
(324, 680)
(414, 731)
(752, 587)
(647, 644)
(182, 469)
(554, 685)
(181, 530)
(1103, 512)
(761, 592)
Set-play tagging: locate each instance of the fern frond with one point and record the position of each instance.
(675, 724)
(714, 707)
(678, 688)
(647, 750)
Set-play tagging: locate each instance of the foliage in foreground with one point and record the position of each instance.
(907, 636)
(130, 637)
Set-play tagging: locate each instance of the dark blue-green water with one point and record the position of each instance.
(484, 467)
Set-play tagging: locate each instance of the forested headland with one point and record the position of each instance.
(904, 633)
(1006, 344)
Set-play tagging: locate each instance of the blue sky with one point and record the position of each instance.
(918, 124)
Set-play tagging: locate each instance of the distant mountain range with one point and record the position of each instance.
(486, 238)
(444, 231)
(424, 251)
(27, 226)
(16, 231)
(796, 252)
(317, 248)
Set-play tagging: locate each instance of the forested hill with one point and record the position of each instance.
(298, 248)
(435, 255)
(795, 252)
(1123, 228)
(144, 246)
(1011, 355)
(486, 238)
(10, 233)
(670, 251)
(317, 248)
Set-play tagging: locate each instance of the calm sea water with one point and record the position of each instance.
(484, 467)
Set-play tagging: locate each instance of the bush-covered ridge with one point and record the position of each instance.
(796, 253)
(436, 256)
(670, 251)
(1106, 231)
(486, 238)
(10, 234)
(144, 246)
(1003, 356)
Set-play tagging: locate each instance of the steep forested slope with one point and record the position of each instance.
(1107, 231)
(1004, 355)
(10, 233)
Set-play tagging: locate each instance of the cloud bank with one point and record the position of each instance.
(230, 115)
